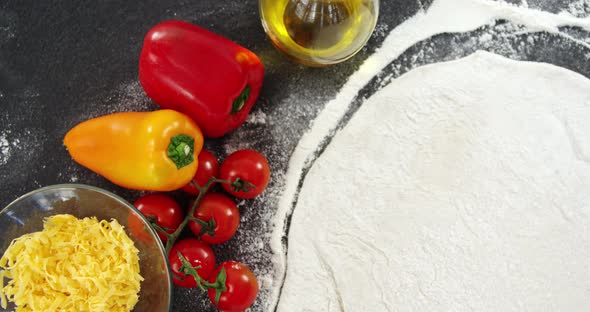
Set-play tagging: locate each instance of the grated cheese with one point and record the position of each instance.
(72, 265)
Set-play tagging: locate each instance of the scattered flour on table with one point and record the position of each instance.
(579, 8)
(12, 143)
(5, 150)
(8, 26)
(257, 117)
(127, 97)
(443, 16)
(19, 151)
(381, 30)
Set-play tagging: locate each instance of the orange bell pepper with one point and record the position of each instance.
(155, 151)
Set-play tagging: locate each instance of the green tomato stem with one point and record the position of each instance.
(237, 185)
(174, 236)
(219, 284)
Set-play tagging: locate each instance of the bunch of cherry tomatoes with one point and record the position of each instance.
(231, 286)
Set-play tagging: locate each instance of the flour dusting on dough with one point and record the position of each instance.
(452, 187)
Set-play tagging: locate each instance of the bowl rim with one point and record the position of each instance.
(120, 200)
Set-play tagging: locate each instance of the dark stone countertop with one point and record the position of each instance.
(62, 62)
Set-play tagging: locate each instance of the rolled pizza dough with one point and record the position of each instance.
(461, 186)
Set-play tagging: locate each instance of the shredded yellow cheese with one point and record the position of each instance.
(72, 265)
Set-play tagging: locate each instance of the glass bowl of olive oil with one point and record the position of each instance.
(319, 32)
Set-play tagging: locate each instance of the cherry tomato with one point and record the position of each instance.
(208, 167)
(241, 287)
(247, 165)
(138, 229)
(163, 209)
(221, 218)
(198, 254)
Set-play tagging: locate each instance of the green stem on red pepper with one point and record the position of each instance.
(167, 65)
(240, 101)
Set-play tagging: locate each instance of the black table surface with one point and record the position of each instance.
(62, 62)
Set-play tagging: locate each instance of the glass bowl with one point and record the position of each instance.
(319, 32)
(26, 214)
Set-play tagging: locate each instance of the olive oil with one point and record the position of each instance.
(319, 32)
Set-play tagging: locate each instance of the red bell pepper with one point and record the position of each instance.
(209, 78)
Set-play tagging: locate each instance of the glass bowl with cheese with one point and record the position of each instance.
(74, 247)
